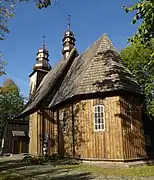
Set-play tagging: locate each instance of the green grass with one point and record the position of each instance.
(142, 171)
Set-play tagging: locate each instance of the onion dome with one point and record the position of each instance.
(68, 40)
(42, 59)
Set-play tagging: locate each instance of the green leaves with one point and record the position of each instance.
(144, 11)
(11, 101)
(6, 12)
(2, 64)
(139, 61)
(43, 4)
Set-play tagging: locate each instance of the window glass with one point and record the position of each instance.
(99, 117)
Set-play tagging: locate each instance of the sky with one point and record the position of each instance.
(89, 20)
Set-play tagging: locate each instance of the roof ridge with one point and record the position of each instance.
(105, 44)
(94, 42)
(104, 41)
(87, 67)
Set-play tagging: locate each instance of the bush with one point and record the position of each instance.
(54, 157)
(29, 160)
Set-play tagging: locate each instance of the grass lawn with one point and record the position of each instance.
(142, 171)
(14, 174)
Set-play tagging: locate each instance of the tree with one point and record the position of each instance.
(138, 60)
(2, 64)
(6, 12)
(144, 11)
(11, 102)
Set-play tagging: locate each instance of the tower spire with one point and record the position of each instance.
(42, 58)
(43, 42)
(69, 21)
(68, 40)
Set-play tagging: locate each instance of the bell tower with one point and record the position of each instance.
(40, 69)
(68, 40)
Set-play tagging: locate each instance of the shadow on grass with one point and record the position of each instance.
(10, 161)
(81, 176)
(65, 173)
(11, 165)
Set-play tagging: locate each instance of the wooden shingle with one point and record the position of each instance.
(98, 69)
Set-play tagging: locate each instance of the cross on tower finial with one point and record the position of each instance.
(43, 41)
(69, 23)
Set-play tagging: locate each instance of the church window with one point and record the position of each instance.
(99, 118)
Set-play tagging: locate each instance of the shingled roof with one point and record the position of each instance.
(98, 69)
(49, 84)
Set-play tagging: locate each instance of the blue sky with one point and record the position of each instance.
(89, 20)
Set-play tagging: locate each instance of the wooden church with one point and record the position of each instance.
(89, 104)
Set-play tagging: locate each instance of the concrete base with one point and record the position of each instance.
(109, 164)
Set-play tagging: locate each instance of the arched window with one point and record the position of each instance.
(99, 123)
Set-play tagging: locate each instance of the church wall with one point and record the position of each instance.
(42, 123)
(33, 133)
(82, 141)
(102, 144)
(40, 76)
(50, 128)
(72, 134)
(33, 84)
(65, 131)
(132, 128)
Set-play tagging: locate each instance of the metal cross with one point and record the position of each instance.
(69, 21)
(43, 41)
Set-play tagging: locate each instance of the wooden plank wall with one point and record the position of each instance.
(8, 138)
(33, 133)
(66, 138)
(42, 122)
(50, 127)
(132, 128)
(96, 144)
(117, 142)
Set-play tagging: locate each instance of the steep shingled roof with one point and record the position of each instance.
(50, 83)
(98, 69)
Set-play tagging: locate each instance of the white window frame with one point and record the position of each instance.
(94, 112)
